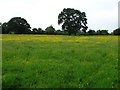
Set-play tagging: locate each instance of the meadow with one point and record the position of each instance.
(42, 61)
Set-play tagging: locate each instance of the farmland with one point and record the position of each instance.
(49, 61)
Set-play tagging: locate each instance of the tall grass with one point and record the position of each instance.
(34, 61)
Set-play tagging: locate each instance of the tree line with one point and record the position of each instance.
(74, 22)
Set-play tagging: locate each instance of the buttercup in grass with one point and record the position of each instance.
(42, 61)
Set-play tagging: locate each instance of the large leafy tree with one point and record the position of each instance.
(18, 25)
(50, 30)
(72, 20)
(116, 31)
(4, 28)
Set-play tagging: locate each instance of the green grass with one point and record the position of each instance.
(35, 61)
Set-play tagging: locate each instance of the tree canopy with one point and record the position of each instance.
(102, 32)
(17, 25)
(116, 31)
(91, 32)
(4, 28)
(72, 20)
(50, 30)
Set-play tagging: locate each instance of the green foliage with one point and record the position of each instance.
(37, 31)
(34, 30)
(17, 25)
(91, 32)
(116, 32)
(60, 32)
(40, 31)
(72, 20)
(102, 32)
(4, 28)
(41, 61)
(50, 30)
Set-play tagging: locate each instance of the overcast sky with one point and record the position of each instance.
(101, 14)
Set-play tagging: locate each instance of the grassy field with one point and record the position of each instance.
(35, 61)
